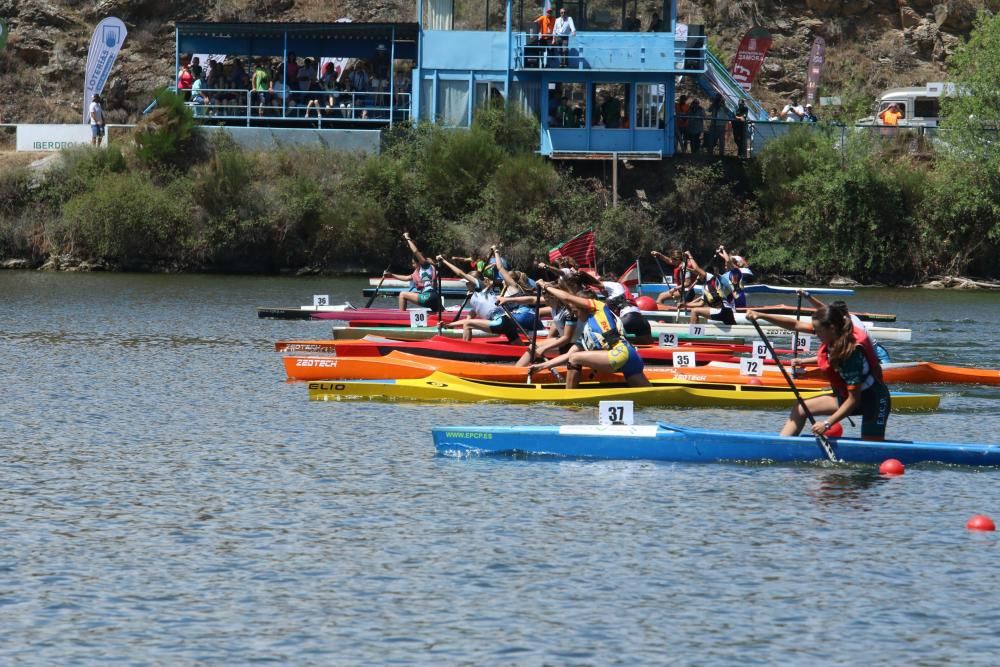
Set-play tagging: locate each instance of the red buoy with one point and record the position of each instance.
(646, 303)
(835, 431)
(891, 468)
(981, 522)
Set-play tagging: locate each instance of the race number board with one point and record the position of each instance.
(615, 412)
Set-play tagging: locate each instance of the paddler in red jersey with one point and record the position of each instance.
(848, 358)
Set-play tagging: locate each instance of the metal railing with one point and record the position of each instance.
(316, 107)
(532, 52)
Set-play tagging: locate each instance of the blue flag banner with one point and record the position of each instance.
(105, 44)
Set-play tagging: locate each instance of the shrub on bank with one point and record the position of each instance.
(128, 220)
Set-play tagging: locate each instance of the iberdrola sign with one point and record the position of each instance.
(3, 33)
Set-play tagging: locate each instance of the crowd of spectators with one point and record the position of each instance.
(697, 129)
(296, 88)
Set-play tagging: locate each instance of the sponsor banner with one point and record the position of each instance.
(817, 56)
(36, 138)
(750, 56)
(105, 44)
(4, 30)
(339, 64)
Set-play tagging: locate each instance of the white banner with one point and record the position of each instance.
(51, 137)
(105, 44)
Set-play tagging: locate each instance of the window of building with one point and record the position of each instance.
(649, 105)
(567, 104)
(611, 105)
(427, 99)
(527, 95)
(489, 90)
(453, 103)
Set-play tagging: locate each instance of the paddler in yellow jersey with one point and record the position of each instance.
(600, 343)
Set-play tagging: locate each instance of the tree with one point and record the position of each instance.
(974, 113)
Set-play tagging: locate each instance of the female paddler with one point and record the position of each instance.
(422, 291)
(600, 345)
(847, 357)
(486, 314)
(561, 334)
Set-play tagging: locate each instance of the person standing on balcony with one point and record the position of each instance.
(562, 31)
(740, 123)
(655, 24)
(545, 24)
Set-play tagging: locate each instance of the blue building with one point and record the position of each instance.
(606, 89)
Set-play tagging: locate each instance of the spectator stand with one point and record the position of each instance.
(284, 50)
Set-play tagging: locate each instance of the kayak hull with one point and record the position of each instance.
(712, 329)
(444, 348)
(665, 442)
(398, 365)
(443, 387)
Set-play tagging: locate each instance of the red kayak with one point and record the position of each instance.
(449, 348)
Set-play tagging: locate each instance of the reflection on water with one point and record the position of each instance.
(168, 498)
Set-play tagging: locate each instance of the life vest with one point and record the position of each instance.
(603, 330)
(423, 278)
(837, 382)
(718, 292)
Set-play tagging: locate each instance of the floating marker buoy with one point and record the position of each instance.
(835, 431)
(754, 381)
(891, 468)
(980, 522)
(646, 303)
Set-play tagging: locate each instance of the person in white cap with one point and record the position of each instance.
(810, 116)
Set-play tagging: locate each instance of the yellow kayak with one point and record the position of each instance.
(443, 387)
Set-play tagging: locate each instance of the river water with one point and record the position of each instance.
(168, 499)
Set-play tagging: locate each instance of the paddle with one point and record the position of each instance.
(378, 287)
(795, 343)
(458, 315)
(824, 444)
(534, 333)
(682, 293)
(663, 274)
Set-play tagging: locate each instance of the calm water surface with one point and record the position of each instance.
(168, 499)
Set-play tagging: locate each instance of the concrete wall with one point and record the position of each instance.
(266, 138)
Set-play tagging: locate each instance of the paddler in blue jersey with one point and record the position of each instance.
(848, 359)
(422, 291)
(600, 345)
(719, 291)
(486, 314)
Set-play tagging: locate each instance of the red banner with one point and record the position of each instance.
(580, 248)
(816, 59)
(750, 56)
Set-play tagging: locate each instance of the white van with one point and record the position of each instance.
(921, 107)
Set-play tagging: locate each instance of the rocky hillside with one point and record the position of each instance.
(871, 44)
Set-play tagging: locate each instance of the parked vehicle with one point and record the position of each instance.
(920, 106)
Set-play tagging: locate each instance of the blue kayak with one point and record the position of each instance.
(666, 442)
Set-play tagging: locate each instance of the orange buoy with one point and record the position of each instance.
(891, 468)
(980, 522)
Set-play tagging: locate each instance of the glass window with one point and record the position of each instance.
(926, 108)
(427, 99)
(649, 103)
(453, 103)
(567, 104)
(489, 90)
(527, 96)
(611, 105)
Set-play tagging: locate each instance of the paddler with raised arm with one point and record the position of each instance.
(422, 290)
(849, 361)
(720, 291)
(486, 314)
(601, 343)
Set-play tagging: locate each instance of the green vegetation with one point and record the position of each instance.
(817, 202)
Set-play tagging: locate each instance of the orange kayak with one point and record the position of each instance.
(402, 366)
